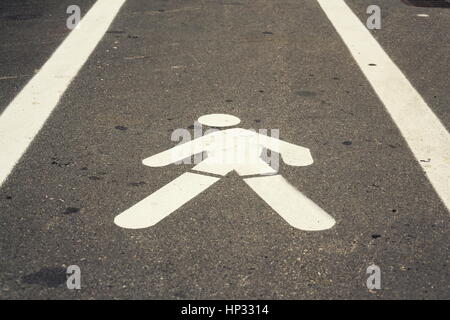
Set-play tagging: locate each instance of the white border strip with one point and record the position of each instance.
(426, 136)
(26, 114)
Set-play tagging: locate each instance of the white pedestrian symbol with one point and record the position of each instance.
(227, 150)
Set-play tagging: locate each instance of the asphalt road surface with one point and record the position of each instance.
(275, 65)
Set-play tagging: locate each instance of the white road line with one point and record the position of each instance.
(426, 136)
(26, 114)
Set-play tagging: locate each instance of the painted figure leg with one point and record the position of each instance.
(164, 201)
(299, 211)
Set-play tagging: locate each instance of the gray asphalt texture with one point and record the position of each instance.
(275, 65)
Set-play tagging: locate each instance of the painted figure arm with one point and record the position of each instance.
(292, 154)
(179, 152)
